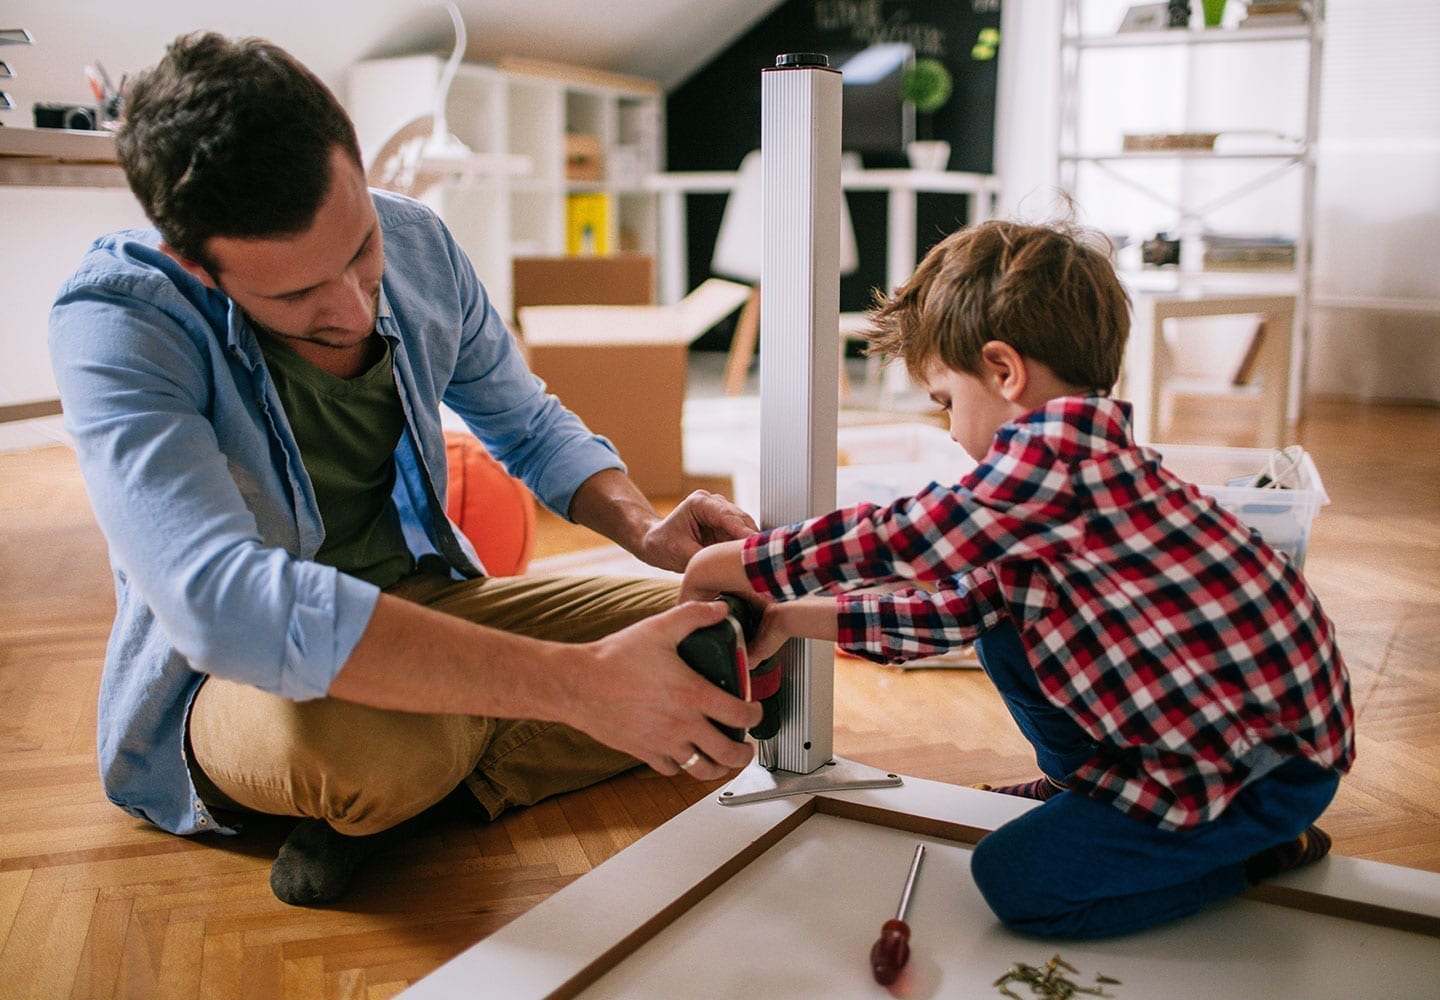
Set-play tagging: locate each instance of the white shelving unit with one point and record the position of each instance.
(510, 198)
(1258, 88)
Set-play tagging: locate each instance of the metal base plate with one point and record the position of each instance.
(758, 783)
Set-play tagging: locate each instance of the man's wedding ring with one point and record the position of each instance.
(693, 759)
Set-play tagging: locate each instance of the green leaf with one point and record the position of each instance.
(927, 85)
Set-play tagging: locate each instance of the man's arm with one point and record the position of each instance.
(629, 690)
(610, 503)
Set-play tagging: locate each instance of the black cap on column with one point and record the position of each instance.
(802, 60)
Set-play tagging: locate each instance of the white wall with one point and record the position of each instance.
(1378, 203)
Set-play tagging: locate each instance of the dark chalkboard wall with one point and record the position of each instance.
(713, 118)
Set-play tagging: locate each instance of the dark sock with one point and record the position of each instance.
(316, 864)
(1306, 849)
(1041, 788)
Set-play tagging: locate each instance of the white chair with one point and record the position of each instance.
(738, 254)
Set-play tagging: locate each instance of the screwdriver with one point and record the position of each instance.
(892, 949)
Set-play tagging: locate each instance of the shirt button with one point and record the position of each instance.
(204, 821)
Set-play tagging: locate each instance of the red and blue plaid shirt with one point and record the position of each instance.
(1192, 653)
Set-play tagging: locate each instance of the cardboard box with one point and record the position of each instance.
(584, 158)
(623, 370)
(615, 280)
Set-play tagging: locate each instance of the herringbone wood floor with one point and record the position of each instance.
(94, 903)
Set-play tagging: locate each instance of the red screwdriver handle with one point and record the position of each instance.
(890, 952)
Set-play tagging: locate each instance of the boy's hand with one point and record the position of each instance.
(770, 636)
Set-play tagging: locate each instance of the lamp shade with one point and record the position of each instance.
(739, 246)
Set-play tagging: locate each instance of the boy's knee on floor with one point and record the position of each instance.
(1016, 899)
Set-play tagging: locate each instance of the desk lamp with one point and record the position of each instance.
(423, 152)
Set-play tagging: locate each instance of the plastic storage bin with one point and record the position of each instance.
(883, 463)
(1282, 516)
(877, 464)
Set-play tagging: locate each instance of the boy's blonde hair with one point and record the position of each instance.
(1050, 292)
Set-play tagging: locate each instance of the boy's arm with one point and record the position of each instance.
(717, 569)
(720, 569)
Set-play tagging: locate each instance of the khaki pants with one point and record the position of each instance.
(364, 769)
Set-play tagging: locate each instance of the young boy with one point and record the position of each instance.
(1189, 710)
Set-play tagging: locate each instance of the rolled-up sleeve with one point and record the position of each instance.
(182, 516)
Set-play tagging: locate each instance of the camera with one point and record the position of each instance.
(1160, 251)
(71, 116)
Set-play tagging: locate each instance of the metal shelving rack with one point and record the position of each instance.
(1177, 208)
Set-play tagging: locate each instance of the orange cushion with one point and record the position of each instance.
(494, 509)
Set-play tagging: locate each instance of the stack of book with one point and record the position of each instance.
(1248, 253)
(1274, 13)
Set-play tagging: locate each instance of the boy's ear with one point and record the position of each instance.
(198, 271)
(1005, 369)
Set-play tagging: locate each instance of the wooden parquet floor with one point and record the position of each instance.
(94, 903)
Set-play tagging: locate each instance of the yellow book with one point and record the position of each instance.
(587, 224)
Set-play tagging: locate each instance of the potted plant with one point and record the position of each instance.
(926, 86)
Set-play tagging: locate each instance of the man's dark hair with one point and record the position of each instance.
(230, 138)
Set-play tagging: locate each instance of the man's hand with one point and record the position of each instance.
(641, 698)
(701, 519)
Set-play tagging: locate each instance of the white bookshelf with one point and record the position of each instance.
(1257, 87)
(510, 199)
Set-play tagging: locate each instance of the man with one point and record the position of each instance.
(254, 393)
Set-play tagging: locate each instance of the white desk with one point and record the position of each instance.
(901, 186)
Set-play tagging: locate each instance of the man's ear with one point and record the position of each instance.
(1005, 369)
(198, 271)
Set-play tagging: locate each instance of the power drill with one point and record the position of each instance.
(717, 653)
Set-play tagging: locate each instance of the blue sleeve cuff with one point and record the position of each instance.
(330, 604)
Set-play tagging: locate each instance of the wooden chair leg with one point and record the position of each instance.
(743, 344)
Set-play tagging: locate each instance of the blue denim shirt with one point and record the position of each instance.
(197, 483)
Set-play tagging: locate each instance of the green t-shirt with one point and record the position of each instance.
(347, 430)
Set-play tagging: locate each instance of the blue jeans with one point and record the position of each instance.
(1078, 868)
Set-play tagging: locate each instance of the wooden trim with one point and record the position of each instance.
(578, 75)
(11, 412)
(1355, 910)
(632, 942)
(1246, 370)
